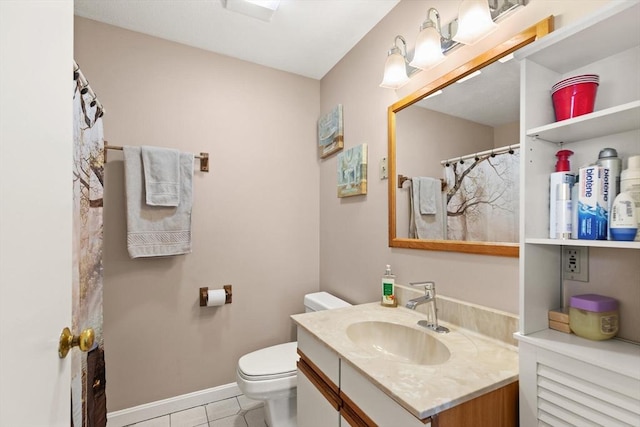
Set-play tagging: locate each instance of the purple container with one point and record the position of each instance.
(593, 302)
(594, 317)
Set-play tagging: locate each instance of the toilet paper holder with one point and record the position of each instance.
(204, 295)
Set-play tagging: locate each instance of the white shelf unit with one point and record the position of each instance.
(608, 44)
(591, 243)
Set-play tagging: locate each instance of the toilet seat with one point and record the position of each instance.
(278, 361)
(269, 373)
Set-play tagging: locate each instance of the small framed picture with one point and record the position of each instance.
(331, 132)
(352, 171)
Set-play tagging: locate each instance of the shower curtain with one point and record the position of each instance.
(483, 198)
(88, 399)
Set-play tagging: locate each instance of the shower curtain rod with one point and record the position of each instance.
(204, 157)
(500, 150)
(85, 88)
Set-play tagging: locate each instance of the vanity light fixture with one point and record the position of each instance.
(397, 69)
(428, 51)
(475, 21)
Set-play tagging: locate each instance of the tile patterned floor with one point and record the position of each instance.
(234, 412)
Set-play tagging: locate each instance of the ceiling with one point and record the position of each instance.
(491, 99)
(305, 37)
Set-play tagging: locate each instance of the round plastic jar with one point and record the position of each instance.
(594, 317)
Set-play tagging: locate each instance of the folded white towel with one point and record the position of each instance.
(428, 194)
(157, 230)
(426, 226)
(161, 176)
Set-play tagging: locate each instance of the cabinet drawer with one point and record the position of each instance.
(379, 407)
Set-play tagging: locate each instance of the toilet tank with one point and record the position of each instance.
(322, 301)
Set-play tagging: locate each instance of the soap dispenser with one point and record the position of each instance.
(388, 289)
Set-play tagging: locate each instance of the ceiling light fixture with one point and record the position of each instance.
(434, 94)
(475, 21)
(506, 58)
(259, 9)
(469, 77)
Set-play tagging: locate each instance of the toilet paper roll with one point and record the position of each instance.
(216, 297)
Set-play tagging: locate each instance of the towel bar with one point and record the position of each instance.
(204, 157)
(402, 179)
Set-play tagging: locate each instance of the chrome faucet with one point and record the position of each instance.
(429, 297)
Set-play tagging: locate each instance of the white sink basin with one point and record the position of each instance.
(399, 343)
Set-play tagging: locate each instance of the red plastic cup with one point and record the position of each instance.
(574, 100)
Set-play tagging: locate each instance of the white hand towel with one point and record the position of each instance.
(431, 227)
(157, 230)
(428, 194)
(161, 176)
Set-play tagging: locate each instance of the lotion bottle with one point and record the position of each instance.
(562, 175)
(623, 223)
(630, 183)
(388, 289)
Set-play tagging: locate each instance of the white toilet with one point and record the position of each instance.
(269, 374)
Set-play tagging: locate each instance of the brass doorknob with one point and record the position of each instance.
(68, 340)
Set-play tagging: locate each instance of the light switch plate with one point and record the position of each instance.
(384, 173)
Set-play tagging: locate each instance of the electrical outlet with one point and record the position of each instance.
(575, 263)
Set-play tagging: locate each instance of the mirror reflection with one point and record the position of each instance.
(458, 150)
(454, 157)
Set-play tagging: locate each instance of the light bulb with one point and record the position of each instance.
(395, 71)
(428, 52)
(474, 22)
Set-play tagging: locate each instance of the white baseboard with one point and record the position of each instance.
(159, 408)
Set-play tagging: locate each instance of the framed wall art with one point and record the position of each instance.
(352, 171)
(331, 132)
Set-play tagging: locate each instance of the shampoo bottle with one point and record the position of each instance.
(562, 175)
(388, 288)
(608, 158)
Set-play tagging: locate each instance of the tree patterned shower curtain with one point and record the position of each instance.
(88, 375)
(483, 198)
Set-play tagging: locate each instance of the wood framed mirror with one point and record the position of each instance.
(404, 239)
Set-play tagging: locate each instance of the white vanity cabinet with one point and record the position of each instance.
(565, 379)
(332, 392)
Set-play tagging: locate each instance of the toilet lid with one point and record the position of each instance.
(271, 362)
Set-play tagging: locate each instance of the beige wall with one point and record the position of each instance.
(255, 216)
(353, 232)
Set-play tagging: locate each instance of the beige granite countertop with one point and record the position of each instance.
(477, 364)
